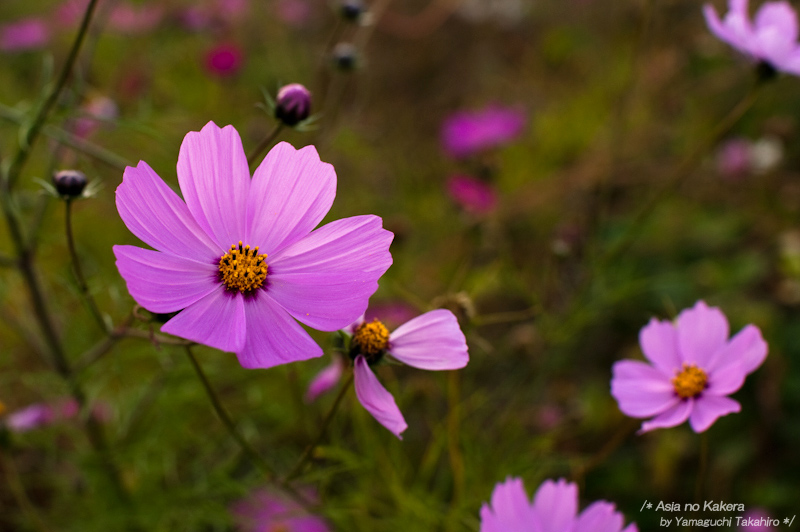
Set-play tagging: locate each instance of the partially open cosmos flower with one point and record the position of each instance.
(770, 39)
(240, 258)
(693, 368)
(554, 509)
(468, 132)
(266, 510)
(431, 341)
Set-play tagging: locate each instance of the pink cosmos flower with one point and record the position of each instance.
(224, 60)
(468, 132)
(431, 341)
(473, 195)
(25, 34)
(240, 258)
(268, 511)
(771, 38)
(554, 509)
(41, 414)
(694, 368)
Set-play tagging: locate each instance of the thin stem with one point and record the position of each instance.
(102, 347)
(32, 132)
(78, 271)
(18, 492)
(453, 439)
(506, 317)
(298, 467)
(681, 173)
(607, 450)
(264, 144)
(251, 453)
(702, 466)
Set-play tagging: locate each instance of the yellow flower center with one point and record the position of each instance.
(690, 381)
(370, 340)
(243, 269)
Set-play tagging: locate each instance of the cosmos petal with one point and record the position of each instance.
(431, 341)
(670, 418)
(325, 279)
(325, 379)
(273, 337)
(708, 408)
(702, 331)
(374, 397)
(510, 508)
(659, 341)
(600, 516)
(747, 349)
(556, 504)
(159, 218)
(292, 191)
(216, 320)
(215, 181)
(164, 283)
(641, 390)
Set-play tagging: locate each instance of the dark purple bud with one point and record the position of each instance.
(293, 104)
(345, 56)
(351, 9)
(69, 183)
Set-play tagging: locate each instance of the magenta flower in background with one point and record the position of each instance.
(467, 132)
(98, 111)
(41, 414)
(733, 158)
(325, 379)
(269, 511)
(771, 38)
(693, 368)
(471, 194)
(240, 258)
(431, 341)
(23, 35)
(554, 509)
(224, 60)
(134, 19)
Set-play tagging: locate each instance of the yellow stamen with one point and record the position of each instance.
(243, 269)
(690, 381)
(371, 338)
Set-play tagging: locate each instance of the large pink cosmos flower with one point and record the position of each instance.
(694, 368)
(431, 341)
(771, 37)
(554, 509)
(240, 259)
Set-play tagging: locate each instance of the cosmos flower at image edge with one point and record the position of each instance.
(770, 38)
(693, 367)
(240, 258)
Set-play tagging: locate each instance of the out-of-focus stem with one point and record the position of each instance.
(78, 271)
(49, 102)
(453, 432)
(298, 467)
(264, 144)
(251, 453)
(619, 437)
(702, 467)
(18, 492)
(679, 176)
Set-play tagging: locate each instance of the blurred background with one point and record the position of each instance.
(582, 112)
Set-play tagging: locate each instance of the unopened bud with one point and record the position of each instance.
(345, 56)
(293, 104)
(69, 183)
(351, 10)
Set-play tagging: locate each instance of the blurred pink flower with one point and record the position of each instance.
(265, 510)
(135, 19)
(232, 10)
(471, 194)
(293, 12)
(554, 509)
(431, 341)
(25, 34)
(41, 414)
(98, 111)
(733, 158)
(467, 132)
(224, 60)
(693, 368)
(325, 379)
(771, 37)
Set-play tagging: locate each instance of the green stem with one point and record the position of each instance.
(83, 287)
(19, 494)
(264, 144)
(32, 132)
(619, 437)
(298, 467)
(679, 176)
(702, 466)
(251, 453)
